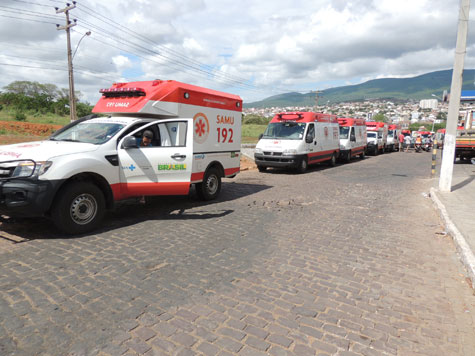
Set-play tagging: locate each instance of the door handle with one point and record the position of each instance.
(177, 155)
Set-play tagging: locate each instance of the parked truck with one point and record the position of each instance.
(297, 140)
(82, 169)
(352, 138)
(465, 144)
(377, 136)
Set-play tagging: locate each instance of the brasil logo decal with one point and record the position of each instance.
(200, 128)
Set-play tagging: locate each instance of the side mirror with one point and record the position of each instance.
(260, 136)
(129, 142)
(309, 139)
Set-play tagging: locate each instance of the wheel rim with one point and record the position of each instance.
(212, 184)
(83, 209)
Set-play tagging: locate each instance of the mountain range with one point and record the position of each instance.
(396, 89)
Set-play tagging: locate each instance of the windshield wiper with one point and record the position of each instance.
(68, 140)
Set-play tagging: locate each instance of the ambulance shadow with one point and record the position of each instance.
(189, 207)
(131, 212)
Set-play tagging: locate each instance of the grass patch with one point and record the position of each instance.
(250, 133)
(35, 118)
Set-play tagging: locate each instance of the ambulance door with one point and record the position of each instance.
(309, 140)
(352, 137)
(164, 168)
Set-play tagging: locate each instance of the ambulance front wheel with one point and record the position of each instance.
(303, 165)
(211, 186)
(79, 208)
(262, 168)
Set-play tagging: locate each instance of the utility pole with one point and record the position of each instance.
(316, 97)
(446, 170)
(72, 99)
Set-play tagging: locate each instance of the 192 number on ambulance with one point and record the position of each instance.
(223, 135)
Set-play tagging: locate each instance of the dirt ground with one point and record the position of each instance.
(247, 164)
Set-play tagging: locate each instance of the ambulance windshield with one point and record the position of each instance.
(371, 134)
(344, 130)
(285, 130)
(92, 131)
(391, 133)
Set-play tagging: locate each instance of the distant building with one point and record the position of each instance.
(428, 104)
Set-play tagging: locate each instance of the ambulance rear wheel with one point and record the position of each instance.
(332, 161)
(363, 155)
(211, 185)
(79, 208)
(303, 165)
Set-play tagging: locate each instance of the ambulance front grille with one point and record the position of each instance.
(6, 172)
(273, 153)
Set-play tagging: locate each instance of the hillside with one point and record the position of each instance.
(415, 88)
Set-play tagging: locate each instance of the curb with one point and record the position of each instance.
(466, 254)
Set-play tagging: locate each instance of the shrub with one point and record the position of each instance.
(255, 120)
(19, 116)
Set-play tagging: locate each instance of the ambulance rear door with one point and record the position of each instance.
(165, 167)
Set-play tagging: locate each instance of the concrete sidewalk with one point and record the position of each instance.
(457, 209)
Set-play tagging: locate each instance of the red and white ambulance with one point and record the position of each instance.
(82, 169)
(377, 136)
(297, 140)
(352, 138)
(394, 131)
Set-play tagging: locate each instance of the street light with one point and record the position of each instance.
(88, 33)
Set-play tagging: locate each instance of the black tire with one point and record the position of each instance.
(211, 186)
(376, 151)
(348, 157)
(79, 208)
(303, 165)
(332, 161)
(363, 155)
(261, 168)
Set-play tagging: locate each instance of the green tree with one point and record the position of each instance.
(441, 115)
(380, 117)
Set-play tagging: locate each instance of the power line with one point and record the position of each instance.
(27, 12)
(57, 68)
(168, 63)
(22, 18)
(33, 3)
(164, 48)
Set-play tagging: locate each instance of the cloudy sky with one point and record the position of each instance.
(251, 48)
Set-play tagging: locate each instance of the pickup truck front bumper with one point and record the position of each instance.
(26, 197)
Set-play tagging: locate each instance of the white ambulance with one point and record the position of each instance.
(82, 169)
(394, 130)
(352, 138)
(377, 136)
(297, 140)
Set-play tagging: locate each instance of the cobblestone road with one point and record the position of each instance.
(350, 260)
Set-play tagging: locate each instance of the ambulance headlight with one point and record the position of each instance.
(30, 169)
(289, 152)
(258, 151)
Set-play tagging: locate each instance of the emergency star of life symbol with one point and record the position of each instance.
(200, 127)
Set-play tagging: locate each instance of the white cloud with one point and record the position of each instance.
(277, 46)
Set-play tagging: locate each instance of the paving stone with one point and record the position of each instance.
(241, 273)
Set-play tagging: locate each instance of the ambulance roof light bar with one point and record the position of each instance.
(299, 116)
(122, 92)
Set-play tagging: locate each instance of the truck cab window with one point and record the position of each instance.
(311, 131)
